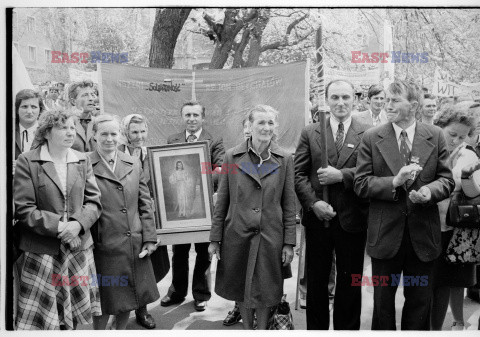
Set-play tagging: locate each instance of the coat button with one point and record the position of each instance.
(129, 233)
(120, 188)
(124, 210)
(256, 210)
(258, 187)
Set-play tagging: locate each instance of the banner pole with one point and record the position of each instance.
(322, 112)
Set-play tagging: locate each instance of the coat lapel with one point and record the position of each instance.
(272, 164)
(388, 147)
(248, 167)
(352, 138)
(123, 167)
(100, 168)
(80, 130)
(421, 148)
(89, 131)
(73, 173)
(18, 140)
(331, 149)
(50, 171)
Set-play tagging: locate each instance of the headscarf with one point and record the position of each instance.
(124, 125)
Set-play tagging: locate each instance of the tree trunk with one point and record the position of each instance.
(256, 39)
(168, 24)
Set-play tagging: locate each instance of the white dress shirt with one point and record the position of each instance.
(334, 125)
(27, 141)
(410, 134)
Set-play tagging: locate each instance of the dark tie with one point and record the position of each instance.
(339, 139)
(191, 138)
(404, 149)
(24, 139)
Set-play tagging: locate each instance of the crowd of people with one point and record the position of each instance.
(378, 181)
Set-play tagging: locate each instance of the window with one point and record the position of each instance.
(48, 56)
(16, 46)
(32, 53)
(31, 23)
(46, 28)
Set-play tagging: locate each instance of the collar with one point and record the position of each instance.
(197, 134)
(334, 124)
(30, 130)
(109, 157)
(410, 131)
(274, 148)
(45, 155)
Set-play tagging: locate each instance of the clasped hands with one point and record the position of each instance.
(68, 232)
(423, 195)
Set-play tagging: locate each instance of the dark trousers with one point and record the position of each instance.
(349, 250)
(200, 282)
(416, 310)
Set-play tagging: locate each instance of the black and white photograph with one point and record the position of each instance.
(240, 166)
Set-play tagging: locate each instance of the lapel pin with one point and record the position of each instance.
(350, 146)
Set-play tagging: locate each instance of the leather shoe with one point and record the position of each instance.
(200, 305)
(233, 317)
(144, 318)
(168, 301)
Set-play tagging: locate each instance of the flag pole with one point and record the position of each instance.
(322, 112)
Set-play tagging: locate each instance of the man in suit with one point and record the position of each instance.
(82, 96)
(429, 109)
(376, 99)
(193, 114)
(402, 167)
(345, 212)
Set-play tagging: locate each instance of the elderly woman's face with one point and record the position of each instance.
(28, 111)
(107, 136)
(137, 134)
(62, 136)
(263, 126)
(455, 134)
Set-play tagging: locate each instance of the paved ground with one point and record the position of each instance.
(184, 316)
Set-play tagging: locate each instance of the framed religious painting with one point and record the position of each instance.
(183, 191)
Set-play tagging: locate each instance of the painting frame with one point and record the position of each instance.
(182, 190)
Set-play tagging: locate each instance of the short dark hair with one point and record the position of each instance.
(456, 114)
(337, 81)
(192, 103)
(429, 96)
(72, 89)
(25, 94)
(48, 120)
(374, 89)
(412, 89)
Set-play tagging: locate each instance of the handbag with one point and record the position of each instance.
(464, 246)
(464, 211)
(281, 317)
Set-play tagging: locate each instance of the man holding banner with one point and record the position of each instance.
(346, 212)
(193, 115)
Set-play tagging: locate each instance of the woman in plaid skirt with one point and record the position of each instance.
(57, 200)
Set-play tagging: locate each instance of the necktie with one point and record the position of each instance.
(339, 139)
(191, 138)
(24, 139)
(404, 149)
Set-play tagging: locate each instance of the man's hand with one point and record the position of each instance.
(329, 175)
(214, 249)
(468, 170)
(422, 196)
(149, 247)
(287, 254)
(405, 173)
(323, 211)
(75, 244)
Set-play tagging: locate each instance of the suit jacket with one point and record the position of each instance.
(217, 151)
(391, 210)
(351, 210)
(84, 142)
(40, 204)
(18, 142)
(366, 117)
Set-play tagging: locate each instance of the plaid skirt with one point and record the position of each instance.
(46, 301)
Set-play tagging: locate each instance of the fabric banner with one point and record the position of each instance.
(227, 95)
(444, 86)
(357, 78)
(79, 75)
